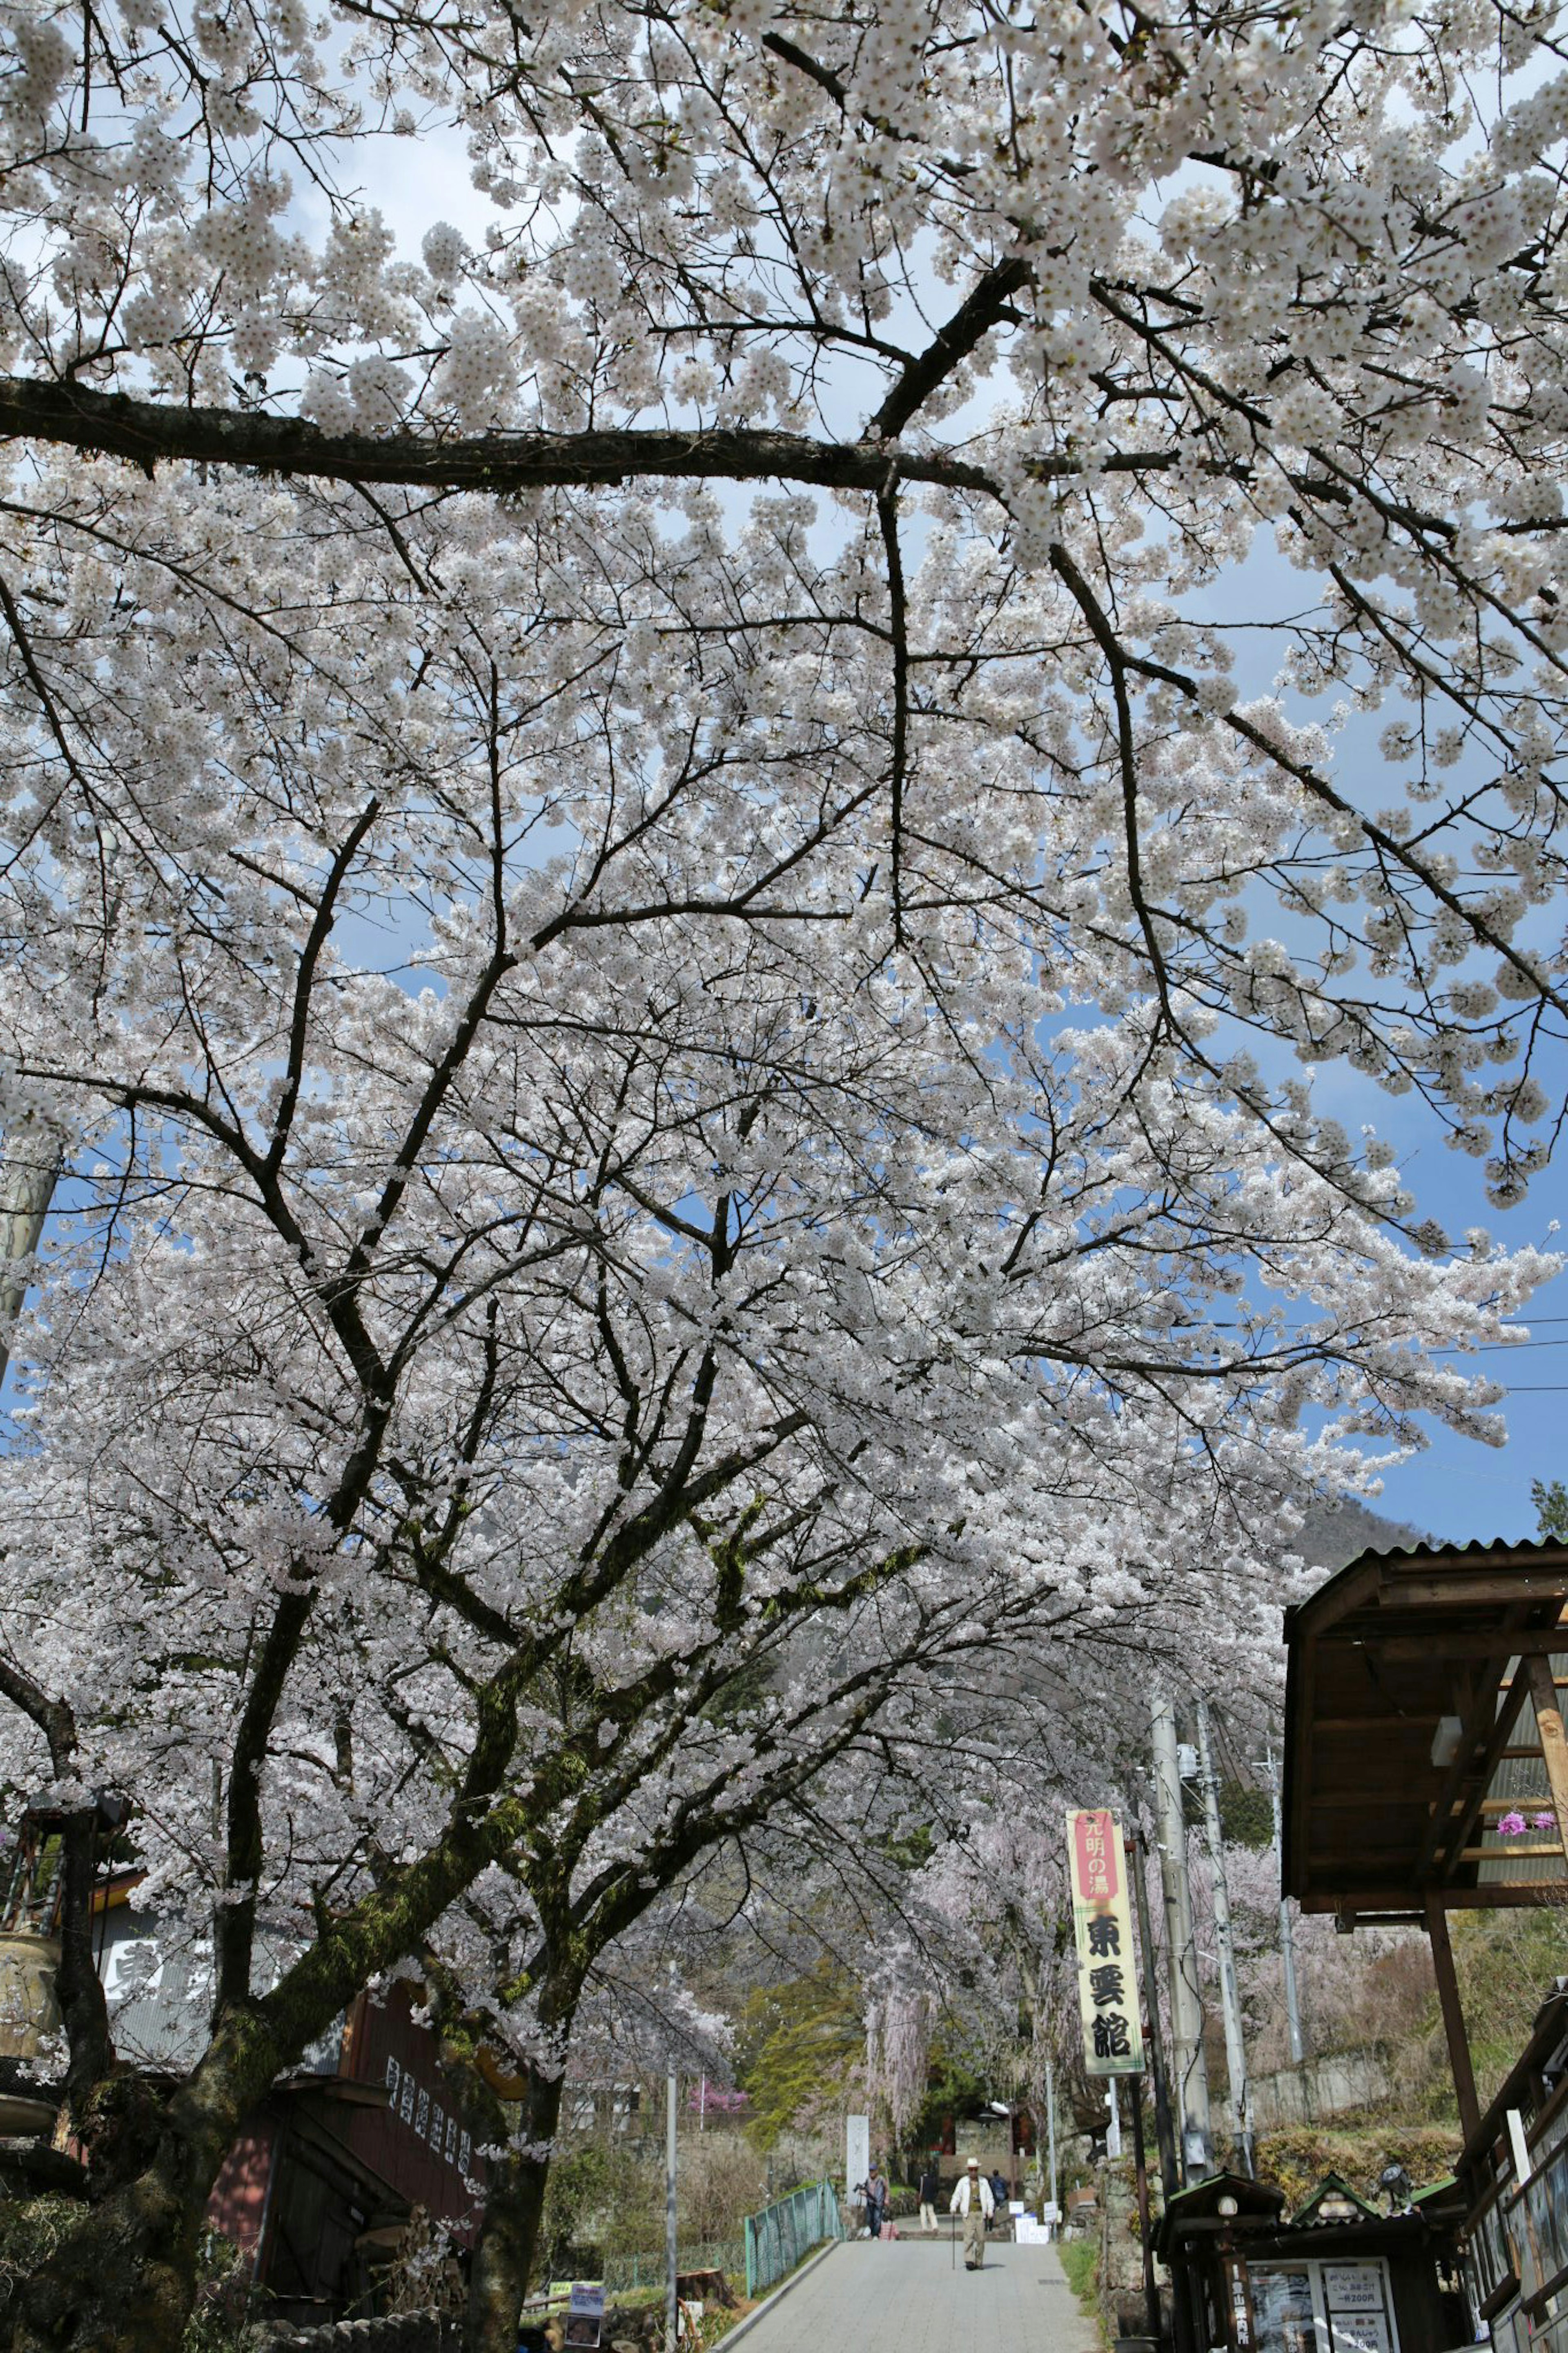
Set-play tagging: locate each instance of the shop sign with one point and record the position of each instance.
(585, 2312)
(1102, 1926)
(1243, 2326)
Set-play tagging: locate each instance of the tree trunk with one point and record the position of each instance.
(123, 2279)
(515, 2210)
(78, 1986)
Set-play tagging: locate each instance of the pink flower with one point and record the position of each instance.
(1511, 1825)
(1543, 1821)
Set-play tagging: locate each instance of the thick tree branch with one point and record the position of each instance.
(984, 307)
(898, 610)
(151, 433)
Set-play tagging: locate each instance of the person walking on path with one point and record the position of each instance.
(974, 2201)
(876, 2197)
(929, 2192)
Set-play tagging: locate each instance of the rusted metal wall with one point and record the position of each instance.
(238, 2201)
(423, 2141)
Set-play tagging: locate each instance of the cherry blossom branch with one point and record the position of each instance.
(153, 433)
(309, 956)
(898, 610)
(984, 307)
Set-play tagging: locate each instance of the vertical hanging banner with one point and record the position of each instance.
(1102, 1926)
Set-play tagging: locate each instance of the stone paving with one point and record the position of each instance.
(910, 2298)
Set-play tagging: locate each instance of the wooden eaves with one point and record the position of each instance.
(1423, 1688)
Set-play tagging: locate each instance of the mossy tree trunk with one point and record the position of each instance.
(514, 2215)
(124, 2280)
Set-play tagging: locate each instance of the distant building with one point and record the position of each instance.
(324, 2175)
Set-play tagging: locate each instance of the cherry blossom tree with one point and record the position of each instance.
(1059, 311)
(488, 1446)
(680, 1104)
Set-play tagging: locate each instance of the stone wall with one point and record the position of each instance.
(1329, 2086)
(412, 2332)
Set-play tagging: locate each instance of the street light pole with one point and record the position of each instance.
(1287, 1926)
(1051, 2135)
(1225, 1944)
(671, 2315)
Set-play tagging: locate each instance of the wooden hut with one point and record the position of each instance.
(1427, 1772)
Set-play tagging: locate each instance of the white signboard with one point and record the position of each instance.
(585, 2312)
(1361, 2333)
(856, 2153)
(1352, 2287)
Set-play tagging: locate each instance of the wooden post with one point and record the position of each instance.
(1453, 2016)
(1553, 1741)
(1241, 2321)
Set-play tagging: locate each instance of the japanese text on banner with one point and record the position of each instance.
(1102, 1926)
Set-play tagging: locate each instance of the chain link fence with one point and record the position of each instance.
(622, 2273)
(779, 2235)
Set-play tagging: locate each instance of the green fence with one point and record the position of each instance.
(778, 2237)
(624, 2271)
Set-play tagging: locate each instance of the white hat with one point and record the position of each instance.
(974, 2165)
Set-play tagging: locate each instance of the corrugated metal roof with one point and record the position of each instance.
(1431, 1548)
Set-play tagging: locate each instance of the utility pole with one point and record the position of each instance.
(28, 1173)
(1164, 2129)
(1225, 1944)
(1190, 2088)
(671, 2314)
(1051, 2135)
(1287, 1926)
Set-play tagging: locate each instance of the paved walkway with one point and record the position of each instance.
(867, 2296)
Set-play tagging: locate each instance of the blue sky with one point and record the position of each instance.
(1458, 1489)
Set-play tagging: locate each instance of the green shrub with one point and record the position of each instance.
(799, 2044)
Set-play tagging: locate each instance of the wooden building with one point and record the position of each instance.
(1335, 2278)
(1427, 1772)
(326, 2171)
(320, 2183)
